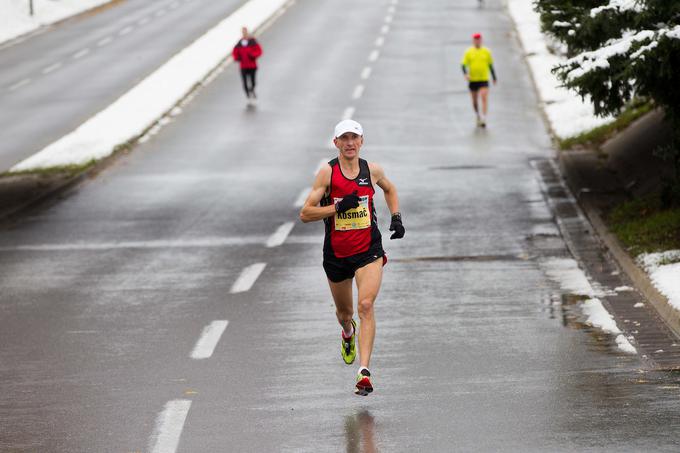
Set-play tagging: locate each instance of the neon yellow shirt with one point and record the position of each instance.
(477, 61)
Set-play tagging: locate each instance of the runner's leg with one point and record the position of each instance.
(244, 76)
(484, 93)
(252, 82)
(344, 306)
(368, 279)
(473, 95)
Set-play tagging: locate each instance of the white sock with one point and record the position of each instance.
(363, 368)
(348, 334)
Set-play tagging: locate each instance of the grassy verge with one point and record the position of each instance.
(596, 137)
(643, 227)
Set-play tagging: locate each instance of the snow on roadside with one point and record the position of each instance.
(567, 113)
(573, 280)
(598, 316)
(16, 21)
(664, 270)
(135, 111)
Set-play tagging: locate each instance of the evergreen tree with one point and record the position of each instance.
(620, 49)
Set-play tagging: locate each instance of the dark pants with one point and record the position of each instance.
(248, 77)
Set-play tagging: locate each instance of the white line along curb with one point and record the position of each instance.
(140, 107)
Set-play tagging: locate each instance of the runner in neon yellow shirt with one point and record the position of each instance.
(477, 63)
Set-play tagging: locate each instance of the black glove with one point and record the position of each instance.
(347, 203)
(397, 227)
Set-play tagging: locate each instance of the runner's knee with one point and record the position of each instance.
(366, 306)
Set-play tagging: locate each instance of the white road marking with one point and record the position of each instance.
(374, 55)
(169, 425)
(388, 19)
(366, 72)
(321, 164)
(385, 29)
(280, 235)
(81, 53)
(143, 21)
(391, 9)
(205, 346)
(394, 2)
(380, 41)
(358, 91)
(125, 31)
(19, 84)
(348, 113)
(247, 278)
(300, 201)
(105, 41)
(52, 68)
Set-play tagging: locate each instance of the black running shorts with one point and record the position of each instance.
(339, 269)
(475, 86)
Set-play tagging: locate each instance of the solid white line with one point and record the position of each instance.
(205, 346)
(374, 55)
(388, 19)
(358, 91)
(380, 41)
(81, 53)
(247, 278)
(348, 113)
(385, 29)
(366, 72)
(143, 21)
(125, 31)
(19, 84)
(105, 41)
(304, 193)
(280, 235)
(169, 425)
(52, 68)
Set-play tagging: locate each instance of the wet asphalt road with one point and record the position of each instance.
(106, 291)
(54, 81)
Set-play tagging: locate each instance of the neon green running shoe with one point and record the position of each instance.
(348, 347)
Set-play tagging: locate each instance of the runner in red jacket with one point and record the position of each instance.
(246, 52)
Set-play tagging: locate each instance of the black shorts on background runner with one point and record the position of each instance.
(475, 86)
(339, 269)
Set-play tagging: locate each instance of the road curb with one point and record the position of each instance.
(625, 262)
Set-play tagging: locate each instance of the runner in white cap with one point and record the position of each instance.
(342, 196)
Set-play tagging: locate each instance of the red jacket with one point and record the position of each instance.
(247, 54)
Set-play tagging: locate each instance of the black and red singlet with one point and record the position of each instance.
(354, 231)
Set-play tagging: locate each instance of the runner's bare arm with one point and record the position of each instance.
(311, 211)
(390, 190)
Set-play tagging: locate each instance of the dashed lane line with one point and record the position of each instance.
(374, 55)
(143, 21)
(81, 53)
(205, 346)
(388, 19)
(380, 41)
(160, 12)
(348, 113)
(105, 41)
(358, 92)
(19, 84)
(385, 29)
(280, 235)
(169, 426)
(52, 68)
(391, 9)
(125, 31)
(248, 277)
(302, 197)
(366, 73)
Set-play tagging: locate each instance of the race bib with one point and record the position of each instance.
(354, 219)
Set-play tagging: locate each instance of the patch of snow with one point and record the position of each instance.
(623, 288)
(664, 271)
(149, 100)
(567, 113)
(625, 345)
(16, 21)
(598, 316)
(638, 305)
(618, 5)
(568, 275)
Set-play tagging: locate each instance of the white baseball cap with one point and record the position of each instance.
(348, 126)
